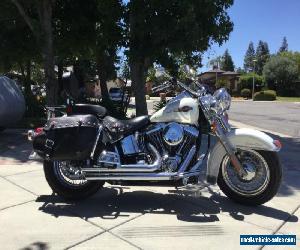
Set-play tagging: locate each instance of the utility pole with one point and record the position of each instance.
(253, 82)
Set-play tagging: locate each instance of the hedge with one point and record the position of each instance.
(246, 93)
(265, 95)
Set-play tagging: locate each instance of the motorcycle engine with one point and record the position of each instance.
(173, 141)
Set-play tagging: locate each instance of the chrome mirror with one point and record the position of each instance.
(190, 72)
(160, 72)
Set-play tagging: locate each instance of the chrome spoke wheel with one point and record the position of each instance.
(69, 174)
(257, 175)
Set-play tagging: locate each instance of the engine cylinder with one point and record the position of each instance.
(173, 134)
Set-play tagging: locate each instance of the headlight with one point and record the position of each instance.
(223, 101)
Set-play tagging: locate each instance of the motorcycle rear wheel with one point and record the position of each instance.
(261, 183)
(67, 188)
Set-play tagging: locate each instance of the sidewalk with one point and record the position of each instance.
(133, 217)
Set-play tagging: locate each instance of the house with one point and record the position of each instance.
(118, 83)
(216, 78)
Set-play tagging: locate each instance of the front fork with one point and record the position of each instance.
(229, 148)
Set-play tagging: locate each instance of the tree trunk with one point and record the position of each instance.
(28, 78)
(22, 70)
(138, 79)
(60, 71)
(28, 70)
(45, 15)
(102, 77)
(44, 37)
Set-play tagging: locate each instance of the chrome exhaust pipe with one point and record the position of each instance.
(145, 167)
(131, 167)
(130, 176)
(139, 176)
(131, 173)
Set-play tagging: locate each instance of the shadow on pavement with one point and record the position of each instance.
(112, 203)
(290, 160)
(36, 246)
(14, 146)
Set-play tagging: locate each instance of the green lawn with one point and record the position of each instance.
(288, 99)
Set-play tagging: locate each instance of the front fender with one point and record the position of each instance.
(242, 138)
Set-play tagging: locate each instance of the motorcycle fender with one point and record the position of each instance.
(241, 138)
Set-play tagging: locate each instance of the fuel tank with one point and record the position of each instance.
(182, 109)
(12, 102)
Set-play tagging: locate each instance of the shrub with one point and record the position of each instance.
(246, 93)
(159, 105)
(235, 93)
(265, 95)
(246, 81)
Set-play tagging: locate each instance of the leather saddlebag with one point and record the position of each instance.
(67, 138)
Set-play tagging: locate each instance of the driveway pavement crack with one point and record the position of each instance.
(283, 223)
(21, 173)
(25, 189)
(85, 240)
(15, 205)
(121, 238)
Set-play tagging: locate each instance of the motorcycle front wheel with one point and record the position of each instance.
(57, 174)
(261, 182)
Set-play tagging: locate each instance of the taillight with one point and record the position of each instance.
(38, 130)
(32, 133)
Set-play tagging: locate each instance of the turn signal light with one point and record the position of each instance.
(277, 143)
(213, 127)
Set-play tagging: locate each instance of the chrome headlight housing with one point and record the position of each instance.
(222, 101)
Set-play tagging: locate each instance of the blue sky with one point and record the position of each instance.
(254, 20)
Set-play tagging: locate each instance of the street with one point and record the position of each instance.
(145, 217)
(281, 117)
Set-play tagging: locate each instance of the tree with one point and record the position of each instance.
(215, 62)
(125, 70)
(295, 56)
(284, 46)
(159, 31)
(281, 72)
(249, 57)
(100, 22)
(227, 62)
(38, 16)
(246, 81)
(241, 71)
(262, 56)
(18, 47)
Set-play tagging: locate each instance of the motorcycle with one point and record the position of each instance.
(85, 148)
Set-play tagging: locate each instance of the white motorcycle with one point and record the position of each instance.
(84, 149)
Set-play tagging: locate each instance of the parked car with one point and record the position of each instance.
(12, 102)
(116, 94)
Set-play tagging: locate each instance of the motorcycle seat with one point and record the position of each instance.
(96, 110)
(121, 128)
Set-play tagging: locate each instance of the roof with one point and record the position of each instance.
(212, 74)
(231, 73)
(213, 71)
